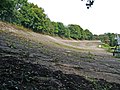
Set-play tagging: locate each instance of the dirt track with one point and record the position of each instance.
(82, 58)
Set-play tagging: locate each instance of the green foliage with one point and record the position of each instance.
(89, 35)
(75, 31)
(33, 17)
(107, 47)
(55, 28)
(96, 37)
(9, 9)
(61, 29)
(108, 38)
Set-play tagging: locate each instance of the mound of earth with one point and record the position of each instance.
(31, 61)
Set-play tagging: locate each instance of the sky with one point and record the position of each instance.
(102, 17)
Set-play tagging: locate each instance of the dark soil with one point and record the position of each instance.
(16, 74)
(29, 65)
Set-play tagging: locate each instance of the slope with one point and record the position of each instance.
(31, 60)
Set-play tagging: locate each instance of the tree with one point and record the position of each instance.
(89, 35)
(48, 27)
(112, 41)
(9, 9)
(61, 29)
(55, 27)
(67, 32)
(96, 37)
(75, 31)
(104, 38)
(31, 16)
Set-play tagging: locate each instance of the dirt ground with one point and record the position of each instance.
(82, 58)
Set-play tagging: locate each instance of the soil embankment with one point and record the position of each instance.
(30, 60)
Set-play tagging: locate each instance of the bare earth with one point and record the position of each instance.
(82, 58)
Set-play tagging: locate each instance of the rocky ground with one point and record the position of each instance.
(30, 61)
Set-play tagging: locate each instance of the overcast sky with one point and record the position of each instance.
(102, 17)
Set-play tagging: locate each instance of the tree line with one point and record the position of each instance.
(31, 16)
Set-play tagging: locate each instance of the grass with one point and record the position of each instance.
(107, 47)
(110, 49)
